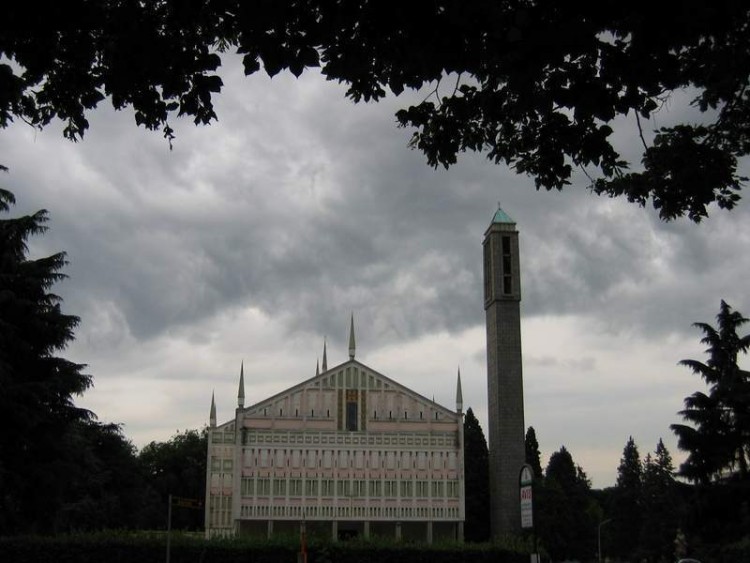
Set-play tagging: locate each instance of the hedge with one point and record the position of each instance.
(151, 548)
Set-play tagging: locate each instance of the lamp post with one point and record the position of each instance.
(599, 536)
(302, 556)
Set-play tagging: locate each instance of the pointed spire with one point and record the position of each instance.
(501, 216)
(317, 368)
(325, 356)
(352, 347)
(241, 391)
(212, 416)
(459, 393)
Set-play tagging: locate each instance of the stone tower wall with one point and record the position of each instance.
(504, 380)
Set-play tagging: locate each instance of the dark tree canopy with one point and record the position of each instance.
(477, 479)
(629, 471)
(718, 438)
(60, 469)
(626, 501)
(36, 385)
(534, 84)
(176, 467)
(533, 455)
(105, 487)
(660, 506)
(565, 510)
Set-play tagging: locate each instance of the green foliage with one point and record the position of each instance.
(535, 85)
(718, 441)
(736, 551)
(626, 502)
(661, 506)
(565, 510)
(124, 548)
(176, 467)
(61, 470)
(645, 508)
(378, 552)
(707, 517)
(717, 517)
(477, 481)
(629, 471)
(37, 415)
(719, 438)
(533, 455)
(106, 488)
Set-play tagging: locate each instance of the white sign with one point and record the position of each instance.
(527, 518)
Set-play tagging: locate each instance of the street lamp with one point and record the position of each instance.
(599, 536)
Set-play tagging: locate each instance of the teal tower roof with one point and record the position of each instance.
(502, 217)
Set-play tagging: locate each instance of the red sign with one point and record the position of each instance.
(527, 518)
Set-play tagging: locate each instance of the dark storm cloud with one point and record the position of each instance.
(308, 207)
(258, 235)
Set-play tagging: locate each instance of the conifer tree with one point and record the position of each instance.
(36, 385)
(533, 455)
(660, 506)
(565, 511)
(626, 501)
(477, 479)
(719, 438)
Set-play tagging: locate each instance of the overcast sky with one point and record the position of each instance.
(256, 237)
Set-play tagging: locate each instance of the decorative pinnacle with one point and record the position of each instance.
(459, 394)
(317, 368)
(325, 356)
(352, 346)
(241, 391)
(212, 416)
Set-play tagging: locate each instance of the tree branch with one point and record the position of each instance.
(640, 130)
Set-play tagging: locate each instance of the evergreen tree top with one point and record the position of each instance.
(36, 404)
(629, 470)
(533, 455)
(717, 435)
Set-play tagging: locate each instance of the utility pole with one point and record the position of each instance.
(302, 555)
(169, 525)
(599, 536)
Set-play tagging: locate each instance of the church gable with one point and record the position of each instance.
(352, 397)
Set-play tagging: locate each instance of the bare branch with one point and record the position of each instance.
(458, 81)
(434, 93)
(583, 169)
(640, 129)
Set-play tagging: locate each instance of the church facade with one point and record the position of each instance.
(351, 452)
(348, 452)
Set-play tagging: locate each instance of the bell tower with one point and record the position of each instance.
(502, 299)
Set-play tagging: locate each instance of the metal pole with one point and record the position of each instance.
(169, 525)
(599, 537)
